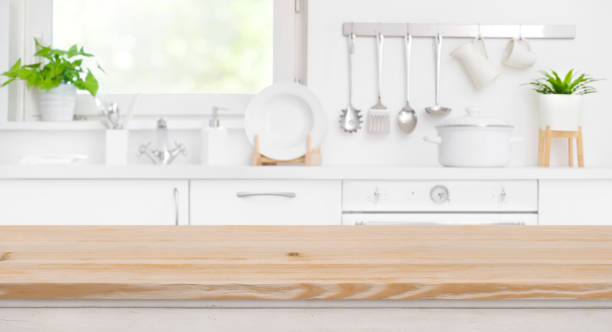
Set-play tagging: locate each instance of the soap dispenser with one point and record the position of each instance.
(214, 141)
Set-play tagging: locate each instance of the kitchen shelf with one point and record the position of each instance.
(92, 125)
(51, 126)
(338, 172)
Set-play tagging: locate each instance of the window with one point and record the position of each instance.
(4, 56)
(180, 46)
(180, 56)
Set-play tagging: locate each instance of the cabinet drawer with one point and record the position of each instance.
(229, 202)
(93, 202)
(575, 202)
(436, 196)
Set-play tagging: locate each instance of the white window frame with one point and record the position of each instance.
(4, 55)
(289, 64)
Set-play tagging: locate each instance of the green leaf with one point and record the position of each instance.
(568, 77)
(91, 84)
(8, 81)
(72, 51)
(16, 65)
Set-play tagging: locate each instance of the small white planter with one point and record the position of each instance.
(57, 104)
(561, 112)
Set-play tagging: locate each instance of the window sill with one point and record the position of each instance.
(89, 125)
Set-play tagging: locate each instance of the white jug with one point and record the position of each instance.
(476, 63)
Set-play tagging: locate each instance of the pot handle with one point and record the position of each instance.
(434, 140)
(516, 139)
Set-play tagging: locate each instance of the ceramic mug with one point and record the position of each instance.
(475, 60)
(518, 54)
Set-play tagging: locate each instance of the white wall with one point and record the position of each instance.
(507, 99)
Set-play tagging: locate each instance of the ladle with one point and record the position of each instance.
(437, 109)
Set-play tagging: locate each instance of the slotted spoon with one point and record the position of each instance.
(350, 118)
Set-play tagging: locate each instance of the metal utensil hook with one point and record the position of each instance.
(520, 32)
(408, 38)
(351, 43)
(437, 42)
(379, 35)
(480, 40)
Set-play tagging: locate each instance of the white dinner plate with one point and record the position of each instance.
(283, 115)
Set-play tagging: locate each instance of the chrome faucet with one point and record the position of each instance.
(162, 155)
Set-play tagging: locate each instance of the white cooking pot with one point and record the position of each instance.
(474, 141)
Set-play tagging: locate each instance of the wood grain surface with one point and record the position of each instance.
(310, 262)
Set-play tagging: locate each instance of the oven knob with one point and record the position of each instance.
(376, 196)
(503, 195)
(439, 194)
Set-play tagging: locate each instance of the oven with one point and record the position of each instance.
(428, 202)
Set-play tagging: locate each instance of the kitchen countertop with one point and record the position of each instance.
(301, 263)
(297, 172)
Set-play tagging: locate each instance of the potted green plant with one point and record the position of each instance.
(561, 99)
(57, 78)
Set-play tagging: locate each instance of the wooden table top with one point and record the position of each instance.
(310, 262)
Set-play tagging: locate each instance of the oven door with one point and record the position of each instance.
(374, 219)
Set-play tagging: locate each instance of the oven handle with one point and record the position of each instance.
(398, 223)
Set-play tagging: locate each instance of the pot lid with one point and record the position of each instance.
(473, 119)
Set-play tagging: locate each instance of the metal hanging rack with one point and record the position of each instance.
(461, 30)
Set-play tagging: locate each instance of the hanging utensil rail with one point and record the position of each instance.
(461, 30)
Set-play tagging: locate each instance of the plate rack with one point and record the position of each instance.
(460, 30)
(311, 158)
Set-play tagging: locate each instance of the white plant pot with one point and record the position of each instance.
(561, 112)
(57, 104)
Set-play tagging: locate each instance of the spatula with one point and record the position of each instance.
(379, 120)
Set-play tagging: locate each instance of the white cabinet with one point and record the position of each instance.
(93, 202)
(254, 202)
(575, 202)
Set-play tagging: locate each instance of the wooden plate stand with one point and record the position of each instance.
(311, 158)
(546, 136)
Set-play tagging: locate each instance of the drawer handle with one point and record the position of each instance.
(286, 194)
(395, 223)
(175, 195)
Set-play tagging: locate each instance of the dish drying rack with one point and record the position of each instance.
(460, 30)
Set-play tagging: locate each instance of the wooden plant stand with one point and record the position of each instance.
(545, 138)
(311, 158)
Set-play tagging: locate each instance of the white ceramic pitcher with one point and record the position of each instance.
(475, 60)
